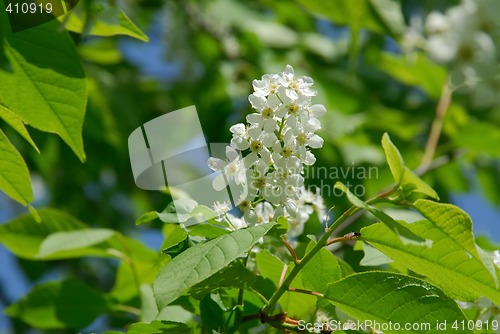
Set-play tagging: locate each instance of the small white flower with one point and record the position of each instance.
(268, 85)
(233, 168)
(220, 208)
(240, 136)
(295, 88)
(496, 258)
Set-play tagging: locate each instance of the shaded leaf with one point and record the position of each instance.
(23, 235)
(68, 304)
(159, 327)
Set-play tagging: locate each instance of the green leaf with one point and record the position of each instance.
(418, 71)
(373, 257)
(176, 239)
(405, 235)
(236, 275)
(101, 19)
(47, 88)
(14, 174)
(146, 262)
(297, 305)
(67, 304)
(147, 217)
(159, 327)
(212, 315)
(322, 269)
(149, 310)
(446, 262)
(389, 15)
(457, 224)
(61, 244)
(404, 177)
(23, 235)
(379, 16)
(206, 230)
(17, 124)
(385, 297)
(480, 137)
(202, 261)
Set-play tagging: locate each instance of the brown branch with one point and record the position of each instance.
(307, 292)
(347, 237)
(290, 249)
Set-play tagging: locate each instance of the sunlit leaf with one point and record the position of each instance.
(404, 176)
(14, 174)
(202, 261)
(385, 297)
(417, 71)
(406, 235)
(15, 122)
(446, 262)
(46, 88)
(101, 19)
(67, 241)
(322, 269)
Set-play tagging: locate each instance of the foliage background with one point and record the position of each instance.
(207, 53)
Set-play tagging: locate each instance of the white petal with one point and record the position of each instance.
(219, 183)
(270, 140)
(257, 102)
(270, 125)
(317, 110)
(310, 159)
(315, 141)
(254, 132)
(273, 101)
(238, 129)
(254, 119)
(216, 164)
(231, 153)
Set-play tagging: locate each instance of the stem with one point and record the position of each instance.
(283, 273)
(290, 249)
(128, 309)
(437, 125)
(307, 292)
(347, 237)
(308, 256)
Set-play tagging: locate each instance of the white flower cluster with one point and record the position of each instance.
(277, 140)
(465, 38)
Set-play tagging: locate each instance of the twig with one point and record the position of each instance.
(437, 125)
(307, 292)
(283, 273)
(290, 249)
(347, 237)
